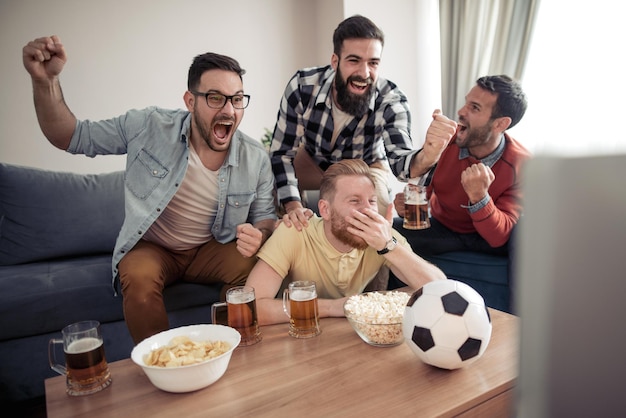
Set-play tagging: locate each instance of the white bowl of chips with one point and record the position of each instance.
(187, 358)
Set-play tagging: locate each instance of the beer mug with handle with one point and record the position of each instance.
(241, 312)
(85, 365)
(300, 305)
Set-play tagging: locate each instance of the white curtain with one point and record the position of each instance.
(482, 37)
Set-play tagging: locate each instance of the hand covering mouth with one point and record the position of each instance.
(221, 129)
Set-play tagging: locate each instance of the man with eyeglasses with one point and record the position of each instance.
(199, 193)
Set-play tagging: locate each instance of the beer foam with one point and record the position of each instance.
(300, 295)
(240, 297)
(83, 345)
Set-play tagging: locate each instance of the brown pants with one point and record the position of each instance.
(148, 268)
(309, 177)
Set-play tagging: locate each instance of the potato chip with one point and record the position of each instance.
(183, 351)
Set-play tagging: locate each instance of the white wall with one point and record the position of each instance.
(134, 53)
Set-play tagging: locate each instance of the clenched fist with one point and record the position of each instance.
(44, 58)
(438, 135)
(476, 180)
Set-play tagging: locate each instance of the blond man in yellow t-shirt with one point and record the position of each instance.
(342, 251)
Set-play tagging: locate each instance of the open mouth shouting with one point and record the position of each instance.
(359, 85)
(222, 130)
(461, 126)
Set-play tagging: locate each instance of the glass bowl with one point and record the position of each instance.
(377, 317)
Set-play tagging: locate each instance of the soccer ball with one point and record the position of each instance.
(446, 324)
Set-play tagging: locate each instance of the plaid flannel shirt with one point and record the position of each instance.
(305, 115)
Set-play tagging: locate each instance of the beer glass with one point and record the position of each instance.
(300, 305)
(85, 365)
(415, 207)
(241, 312)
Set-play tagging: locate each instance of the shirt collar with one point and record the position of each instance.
(233, 150)
(186, 129)
(492, 158)
(324, 96)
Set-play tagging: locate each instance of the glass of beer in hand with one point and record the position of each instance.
(300, 305)
(85, 365)
(416, 214)
(241, 312)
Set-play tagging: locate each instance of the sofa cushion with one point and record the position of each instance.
(485, 273)
(473, 265)
(43, 297)
(48, 295)
(46, 214)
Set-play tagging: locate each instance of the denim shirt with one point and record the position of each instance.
(156, 143)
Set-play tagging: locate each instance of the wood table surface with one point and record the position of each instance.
(333, 374)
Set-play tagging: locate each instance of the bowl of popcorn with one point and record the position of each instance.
(377, 316)
(187, 358)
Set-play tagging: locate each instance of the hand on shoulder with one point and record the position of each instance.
(298, 218)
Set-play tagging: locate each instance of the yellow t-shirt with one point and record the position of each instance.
(307, 255)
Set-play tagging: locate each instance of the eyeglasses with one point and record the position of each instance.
(217, 100)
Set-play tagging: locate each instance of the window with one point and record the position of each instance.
(575, 80)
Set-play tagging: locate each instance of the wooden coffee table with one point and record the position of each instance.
(334, 374)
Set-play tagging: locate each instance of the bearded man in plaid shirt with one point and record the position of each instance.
(342, 111)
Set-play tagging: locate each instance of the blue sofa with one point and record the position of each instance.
(488, 274)
(57, 233)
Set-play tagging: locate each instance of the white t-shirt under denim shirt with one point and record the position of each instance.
(186, 221)
(156, 143)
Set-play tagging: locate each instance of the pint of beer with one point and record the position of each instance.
(300, 304)
(242, 313)
(415, 207)
(85, 366)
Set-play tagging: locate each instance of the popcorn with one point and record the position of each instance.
(377, 316)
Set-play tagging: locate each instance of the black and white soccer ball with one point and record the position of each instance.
(446, 324)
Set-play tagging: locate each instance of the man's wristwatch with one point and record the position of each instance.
(389, 246)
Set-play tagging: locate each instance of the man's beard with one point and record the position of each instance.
(206, 134)
(339, 228)
(353, 104)
(475, 136)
